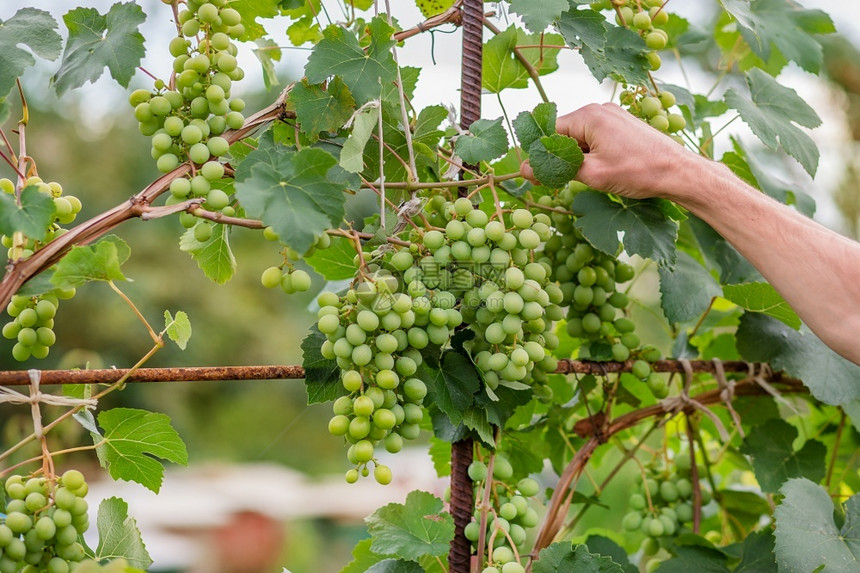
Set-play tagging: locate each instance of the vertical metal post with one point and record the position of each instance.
(462, 502)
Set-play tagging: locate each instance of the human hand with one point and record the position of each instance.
(624, 155)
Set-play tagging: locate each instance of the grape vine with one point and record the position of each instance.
(476, 309)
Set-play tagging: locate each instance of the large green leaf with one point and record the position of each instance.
(456, 385)
(621, 58)
(806, 535)
(319, 109)
(336, 262)
(340, 54)
(831, 378)
(362, 558)
(352, 154)
(502, 70)
(563, 556)
(687, 289)
(322, 380)
(782, 24)
(134, 440)
(583, 28)
(530, 126)
(771, 110)
(410, 530)
(762, 297)
(250, 10)
(395, 566)
(32, 218)
(98, 262)
(292, 191)
(757, 554)
(486, 140)
(214, 256)
(96, 41)
(119, 536)
(774, 458)
(695, 558)
(538, 15)
(648, 232)
(33, 28)
(555, 159)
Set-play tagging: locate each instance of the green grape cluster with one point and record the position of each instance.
(66, 209)
(662, 504)
(186, 119)
(647, 17)
(495, 265)
(32, 324)
(654, 109)
(509, 519)
(43, 523)
(376, 332)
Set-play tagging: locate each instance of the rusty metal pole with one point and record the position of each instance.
(462, 499)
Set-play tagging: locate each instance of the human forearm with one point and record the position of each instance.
(816, 270)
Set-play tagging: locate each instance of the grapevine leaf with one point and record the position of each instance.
(410, 530)
(687, 289)
(352, 154)
(486, 140)
(564, 557)
(647, 231)
(334, 263)
(583, 28)
(96, 41)
(267, 52)
(178, 328)
(363, 558)
(502, 69)
(250, 10)
(304, 30)
(119, 536)
(762, 297)
(134, 439)
(538, 15)
(476, 419)
(440, 454)
(319, 109)
(806, 535)
(395, 566)
(531, 126)
(427, 124)
(555, 159)
(782, 24)
(33, 28)
(430, 8)
(606, 547)
(339, 53)
(695, 558)
(321, 374)
(829, 377)
(455, 389)
(757, 554)
(771, 111)
(32, 218)
(621, 58)
(774, 458)
(98, 262)
(214, 256)
(292, 192)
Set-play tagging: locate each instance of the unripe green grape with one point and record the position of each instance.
(660, 122)
(387, 379)
(668, 491)
(138, 97)
(650, 106)
(631, 521)
(217, 200)
(659, 17)
(676, 122)
(591, 323)
(655, 41)
(393, 443)
(235, 120)
(415, 390)
(301, 280)
(27, 337)
(167, 162)
(382, 474)
(630, 340)
(351, 476)
(18, 522)
(503, 554)
(160, 106)
(198, 153)
(654, 59)
(359, 427)
(271, 278)
(191, 134)
(338, 425)
(202, 232)
(642, 20)
(502, 469)
(364, 451)
(11, 330)
(20, 352)
(529, 239)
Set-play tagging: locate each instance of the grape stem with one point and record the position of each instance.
(836, 443)
(49, 455)
(694, 477)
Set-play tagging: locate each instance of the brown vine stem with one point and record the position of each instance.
(19, 272)
(598, 430)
